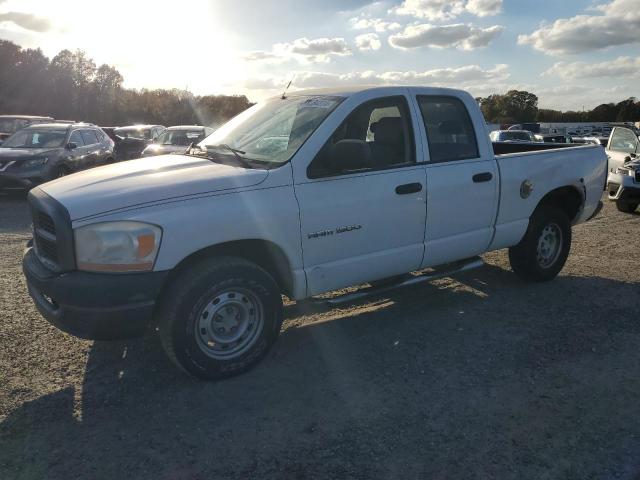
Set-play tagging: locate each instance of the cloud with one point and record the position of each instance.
(368, 41)
(376, 24)
(440, 10)
(303, 50)
(617, 23)
(261, 55)
(484, 8)
(460, 77)
(620, 67)
(461, 36)
(26, 21)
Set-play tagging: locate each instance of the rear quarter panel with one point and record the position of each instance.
(583, 168)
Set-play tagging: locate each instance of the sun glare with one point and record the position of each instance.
(151, 46)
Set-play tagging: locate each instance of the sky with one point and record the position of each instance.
(573, 54)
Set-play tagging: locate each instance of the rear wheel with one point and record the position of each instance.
(220, 317)
(625, 206)
(543, 251)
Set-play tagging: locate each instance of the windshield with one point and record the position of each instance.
(272, 131)
(181, 137)
(36, 138)
(142, 134)
(526, 136)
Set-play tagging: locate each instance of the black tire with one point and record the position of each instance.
(186, 305)
(525, 258)
(626, 206)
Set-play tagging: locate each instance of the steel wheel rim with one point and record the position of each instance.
(229, 324)
(549, 245)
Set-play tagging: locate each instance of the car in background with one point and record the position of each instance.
(10, 124)
(623, 181)
(43, 152)
(132, 140)
(553, 138)
(597, 140)
(177, 139)
(110, 131)
(512, 136)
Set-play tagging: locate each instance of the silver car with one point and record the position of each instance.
(177, 139)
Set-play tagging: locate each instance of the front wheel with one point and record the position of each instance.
(543, 251)
(220, 318)
(626, 207)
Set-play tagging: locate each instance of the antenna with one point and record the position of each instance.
(284, 94)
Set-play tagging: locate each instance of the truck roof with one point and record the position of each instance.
(348, 91)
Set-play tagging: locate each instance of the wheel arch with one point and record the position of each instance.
(264, 253)
(568, 198)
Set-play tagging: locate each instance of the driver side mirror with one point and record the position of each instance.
(72, 146)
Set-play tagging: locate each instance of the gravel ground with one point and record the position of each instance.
(481, 376)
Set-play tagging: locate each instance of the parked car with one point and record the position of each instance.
(202, 245)
(9, 124)
(176, 140)
(552, 138)
(111, 132)
(512, 136)
(623, 183)
(132, 140)
(596, 140)
(42, 152)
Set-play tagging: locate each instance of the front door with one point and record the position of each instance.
(462, 182)
(362, 203)
(623, 144)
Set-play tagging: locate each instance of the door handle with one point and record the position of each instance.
(408, 188)
(482, 177)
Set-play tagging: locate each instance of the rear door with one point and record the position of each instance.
(93, 147)
(462, 180)
(79, 154)
(623, 144)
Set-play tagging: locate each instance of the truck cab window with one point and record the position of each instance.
(623, 140)
(376, 135)
(450, 133)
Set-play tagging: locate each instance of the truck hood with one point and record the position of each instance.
(152, 179)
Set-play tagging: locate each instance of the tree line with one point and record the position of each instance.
(70, 86)
(518, 106)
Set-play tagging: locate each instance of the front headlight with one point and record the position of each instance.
(117, 247)
(35, 162)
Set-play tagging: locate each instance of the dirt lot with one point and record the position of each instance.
(480, 377)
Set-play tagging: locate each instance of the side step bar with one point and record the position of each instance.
(432, 274)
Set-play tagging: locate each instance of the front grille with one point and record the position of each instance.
(45, 222)
(46, 248)
(52, 232)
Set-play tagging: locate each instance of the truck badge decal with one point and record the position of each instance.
(338, 230)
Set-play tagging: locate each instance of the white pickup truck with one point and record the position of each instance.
(298, 195)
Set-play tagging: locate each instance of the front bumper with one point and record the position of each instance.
(25, 180)
(623, 187)
(93, 305)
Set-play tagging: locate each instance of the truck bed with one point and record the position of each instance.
(503, 148)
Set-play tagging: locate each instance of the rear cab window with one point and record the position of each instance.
(449, 129)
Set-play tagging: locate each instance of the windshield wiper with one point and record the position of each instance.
(237, 153)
